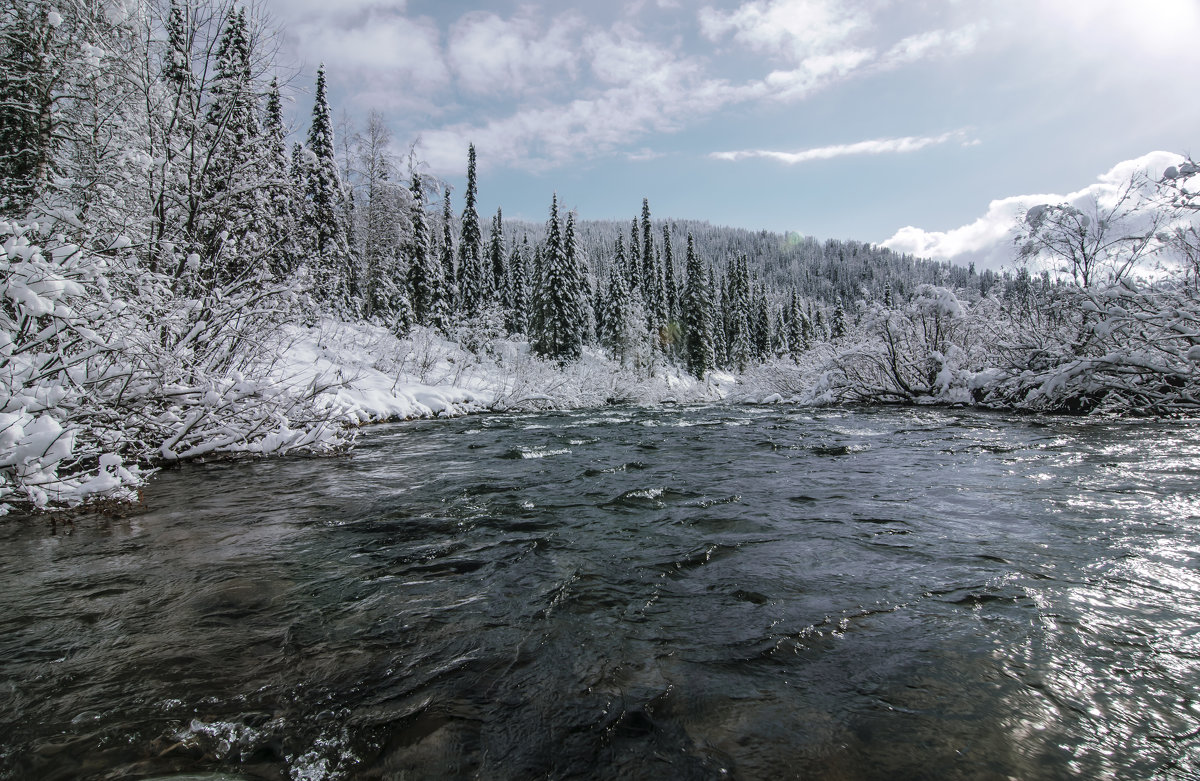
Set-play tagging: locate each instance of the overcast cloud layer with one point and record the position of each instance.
(821, 116)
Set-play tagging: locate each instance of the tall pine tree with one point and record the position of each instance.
(282, 226)
(333, 270)
(497, 259)
(473, 273)
(558, 310)
(446, 253)
(700, 354)
(426, 282)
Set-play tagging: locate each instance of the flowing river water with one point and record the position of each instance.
(706, 592)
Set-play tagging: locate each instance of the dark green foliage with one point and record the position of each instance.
(700, 353)
(762, 332)
(797, 328)
(668, 264)
(473, 273)
(496, 255)
(426, 282)
(333, 270)
(282, 226)
(446, 253)
(559, 318)
(517, 288)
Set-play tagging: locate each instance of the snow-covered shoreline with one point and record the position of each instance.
(372, 376)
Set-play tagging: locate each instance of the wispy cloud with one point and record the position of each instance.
(640, 87)
(794, 29)
(878, 146)
(933, 43)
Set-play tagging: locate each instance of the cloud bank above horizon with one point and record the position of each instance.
(988, 241)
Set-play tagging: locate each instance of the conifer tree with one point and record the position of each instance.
(700, 353)
(518, 303)
(557, 315)
(838, 326)
(333, 270)
(231, 222)
(173, 135)
(741, 339)
(425, 279)
(652, 281)
(446, 255)
(633, 266)
(647, 240)
(496, 255)
(296, 169)
(599, 303)
(616, 326)
(720, 317)
(796, 339)
(473, 275)
(762, 330)
(650, 291)
(282, 225)
(668, 264)
(582, 322)
(30, 89)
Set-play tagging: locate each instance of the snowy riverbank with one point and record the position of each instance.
(370, 375)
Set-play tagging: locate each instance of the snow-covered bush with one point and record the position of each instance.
(1134, 350)
(103, 370)
(923, 351)
(58, 338)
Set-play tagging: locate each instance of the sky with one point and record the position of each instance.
(922, 124)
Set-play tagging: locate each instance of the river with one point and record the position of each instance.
(701, 592)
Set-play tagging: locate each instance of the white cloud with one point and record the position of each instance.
(621, 57)
(653, 90)
(987, 241)
(298, 11)
(932, 43)
(795, 29)
(879, 146)
(814, 72)
(391, 59)
(643, 155)
(823, 42)
(491, 55)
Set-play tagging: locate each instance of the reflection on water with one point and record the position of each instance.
(685, 593)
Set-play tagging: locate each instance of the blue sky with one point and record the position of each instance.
(833, 119)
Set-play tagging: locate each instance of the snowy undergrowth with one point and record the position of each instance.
(106, 372)
(370, 375)
(1128, 348)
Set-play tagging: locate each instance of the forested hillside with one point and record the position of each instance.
(166, 237)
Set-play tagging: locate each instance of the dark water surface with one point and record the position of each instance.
(694, 593)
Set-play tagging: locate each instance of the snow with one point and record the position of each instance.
(93, 391)
(365, 374)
